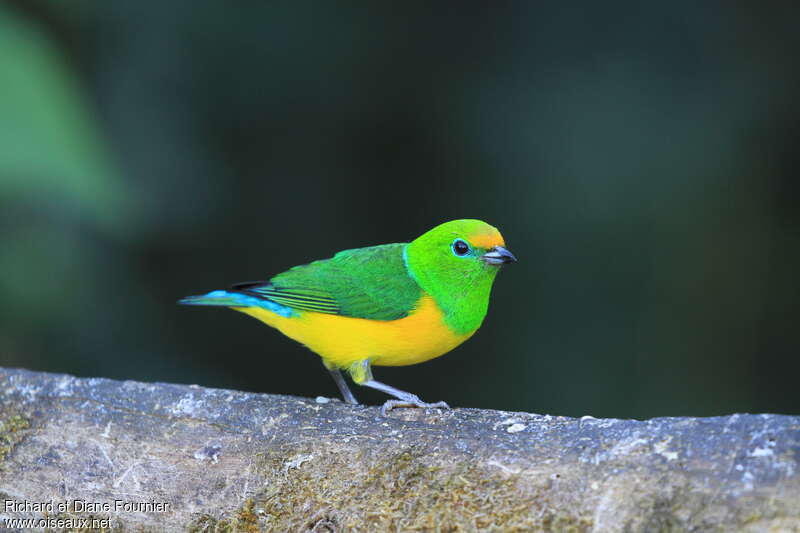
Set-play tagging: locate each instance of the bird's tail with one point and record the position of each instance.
(222, 298)
(237, 299)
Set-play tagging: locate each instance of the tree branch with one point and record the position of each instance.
(219, 460)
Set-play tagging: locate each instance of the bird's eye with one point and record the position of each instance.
(460, 247)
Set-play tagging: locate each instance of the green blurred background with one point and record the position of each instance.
(639, 158)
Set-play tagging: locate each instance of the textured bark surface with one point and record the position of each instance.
(219, 460)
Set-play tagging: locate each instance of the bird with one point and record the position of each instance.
(386, 305)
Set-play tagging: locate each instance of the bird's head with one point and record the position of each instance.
(457, 258)
(466, 246)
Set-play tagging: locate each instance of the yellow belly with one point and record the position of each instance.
(342, 340)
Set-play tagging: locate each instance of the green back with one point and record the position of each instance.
(370, 283)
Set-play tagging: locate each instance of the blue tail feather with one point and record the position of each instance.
(235, 299)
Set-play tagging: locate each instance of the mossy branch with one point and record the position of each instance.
(161, 457)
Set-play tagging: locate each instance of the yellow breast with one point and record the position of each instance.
(342, 340)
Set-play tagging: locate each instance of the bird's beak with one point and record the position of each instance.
(498, 256)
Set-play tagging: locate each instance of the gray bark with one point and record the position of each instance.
(219, 460)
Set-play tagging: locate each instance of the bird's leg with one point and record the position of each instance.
(341, 383)
(362, 374)
(404, 399)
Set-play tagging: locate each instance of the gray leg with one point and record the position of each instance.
(342, 384)
(404, 399)
(361, 373)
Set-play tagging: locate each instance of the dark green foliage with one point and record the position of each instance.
(639, 157)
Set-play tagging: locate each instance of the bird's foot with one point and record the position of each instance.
(410, 402)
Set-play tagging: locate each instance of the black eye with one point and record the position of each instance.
(460, 247)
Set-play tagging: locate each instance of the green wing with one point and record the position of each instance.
(368, 283)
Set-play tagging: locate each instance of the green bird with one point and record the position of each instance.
(387, 305)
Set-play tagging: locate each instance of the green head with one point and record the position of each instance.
(456, 263)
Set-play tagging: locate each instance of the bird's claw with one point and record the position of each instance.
(391, 404)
